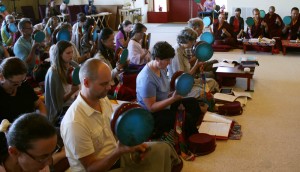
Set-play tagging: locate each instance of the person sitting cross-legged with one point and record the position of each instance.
(89, 142)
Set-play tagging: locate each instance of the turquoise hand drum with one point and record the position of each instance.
(262, 13)
(250, 21)
(207, 37)
(206, 21)
(203, 51)
(12, 27)
(63, 34)
(39, 36)
(287, 20)
(73, 76)
(95, 34)
(2, 8)
(132, 124)
(66, 1)
(184, 84)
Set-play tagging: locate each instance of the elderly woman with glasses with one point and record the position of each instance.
(182, 62)
(16, 95)
(29, 144)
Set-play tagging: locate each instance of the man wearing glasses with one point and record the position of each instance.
(25, 48)
(16, 96)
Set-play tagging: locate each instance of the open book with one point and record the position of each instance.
(226, 63)
(216, 125)
(231, 98)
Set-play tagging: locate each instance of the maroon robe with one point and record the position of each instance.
(293, 32)
(256, 30)
(220, 36)
(274, 30)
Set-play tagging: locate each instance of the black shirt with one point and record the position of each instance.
(13, 106)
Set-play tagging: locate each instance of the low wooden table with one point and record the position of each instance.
(288, 43)
(247, 42)
(236, 71)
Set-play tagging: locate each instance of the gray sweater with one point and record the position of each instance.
(54, 92)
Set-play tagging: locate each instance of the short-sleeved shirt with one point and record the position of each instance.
(22, 49)
(11, 107)
(209, 5)
(86, 131)
(119, 35)
(148, 84)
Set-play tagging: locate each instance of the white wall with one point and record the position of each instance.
(138, 4)
(283, 7)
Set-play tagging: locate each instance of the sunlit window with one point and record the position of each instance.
(160, 3)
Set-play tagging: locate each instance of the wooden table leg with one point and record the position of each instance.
(248, 84)
(284, 50)
(272, 50)
(244, 47)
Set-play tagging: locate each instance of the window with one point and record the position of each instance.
(162, 4)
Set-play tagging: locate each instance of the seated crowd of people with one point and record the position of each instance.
(270, 25)
(79, 114)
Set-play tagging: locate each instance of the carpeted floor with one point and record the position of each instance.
(270, 121)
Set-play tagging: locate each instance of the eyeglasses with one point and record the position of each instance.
(46, 158)
(16, 83)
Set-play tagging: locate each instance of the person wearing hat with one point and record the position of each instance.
(237, 23)
(292, 31)
(136, 54)
(89, 141)
(274, 22)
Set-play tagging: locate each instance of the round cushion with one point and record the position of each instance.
(202, 144)
(132, 124)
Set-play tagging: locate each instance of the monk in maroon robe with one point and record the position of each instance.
(259, 29)
(274, 22)
(223, 32)
(292, 31)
